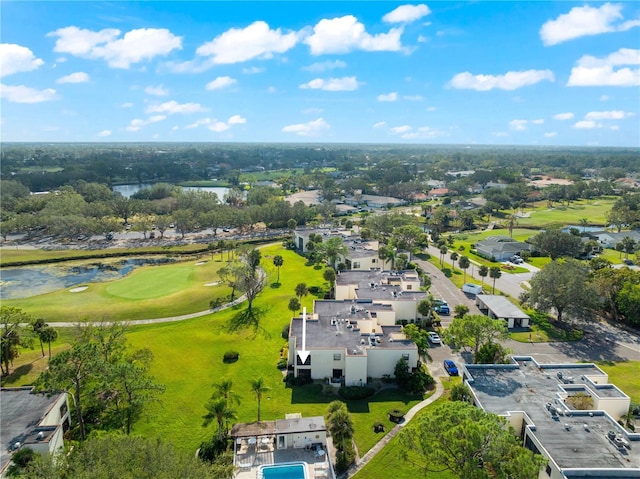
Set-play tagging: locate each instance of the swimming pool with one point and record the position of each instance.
(293, 470)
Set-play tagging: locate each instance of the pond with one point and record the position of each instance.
(27, 281)
(129, 190)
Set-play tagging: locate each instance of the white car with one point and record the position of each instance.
(434, 337)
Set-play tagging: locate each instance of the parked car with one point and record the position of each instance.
(471, 288)
(442, 309)
(434, 337)
(450, 367)
(515, 259)
(628, 262)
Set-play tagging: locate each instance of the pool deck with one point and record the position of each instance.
(249, 458)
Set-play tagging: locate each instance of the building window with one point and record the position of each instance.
(405, 357)
(356, 265)
(63, 410)
(548, 469)
(409, 286)
(337, 356)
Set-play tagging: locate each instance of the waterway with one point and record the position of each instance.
(27, 281)
(129, 190)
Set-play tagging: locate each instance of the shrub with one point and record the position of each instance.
(211, 449)
(285, 332)
(356, 392)
(344, 458)
(291, 380)
(396, 416)
(315, 290)
(282, 364)
(378, 427)
(230, 357)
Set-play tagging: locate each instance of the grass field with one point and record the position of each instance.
(148, 292)
(593, 210)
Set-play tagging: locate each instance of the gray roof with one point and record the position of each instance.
(21, 411)
(575, 441)
(501, 243)
(337, 328)
(501, 306)
(279, 426)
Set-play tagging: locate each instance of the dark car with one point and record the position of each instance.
(628, 262)
(442, 309)
(450, 367)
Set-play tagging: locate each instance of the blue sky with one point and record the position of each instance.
(521, 73)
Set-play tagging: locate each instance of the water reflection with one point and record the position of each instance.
(27, 281)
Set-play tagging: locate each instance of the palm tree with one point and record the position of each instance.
(340, 424)
(483, 271)
(301, 290)
(464, 262)
(454, 257)
(258, 388)
(584, 222)
(443, 251)
(512, 221)
(49, 334)
(628, 246)
(219, 410)
(277, 262)
(495, 273)
(294, 305)
(224, 389)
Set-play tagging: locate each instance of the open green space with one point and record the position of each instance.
(148, 292)
(544, 329)
(594, 211)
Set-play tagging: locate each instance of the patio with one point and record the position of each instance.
(249, 457)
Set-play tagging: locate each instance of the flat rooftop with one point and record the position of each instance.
(21, 411)
(501, 306)
(348, 325)
(381, 285)
(577, 440)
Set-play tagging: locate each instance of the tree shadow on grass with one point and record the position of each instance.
(275, 285)
(249, 319)
(18, 373)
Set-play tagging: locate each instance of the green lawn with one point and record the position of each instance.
(593, 210)
(544, 330)
(148, 292)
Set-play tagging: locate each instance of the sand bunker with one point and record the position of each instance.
(215, 283)
(78, 289)
(200, 263)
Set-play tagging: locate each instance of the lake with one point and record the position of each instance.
(129, 190)
(27, 281)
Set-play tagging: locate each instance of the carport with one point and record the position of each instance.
(499, 307)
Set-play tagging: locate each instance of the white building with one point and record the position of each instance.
(348, 341)
(28, 419)
(536, 401)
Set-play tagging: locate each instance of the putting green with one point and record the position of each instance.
(152, 283)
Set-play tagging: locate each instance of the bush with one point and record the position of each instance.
(282, 364)
(356, 392)
(230, 357)
(315, 290)
(285, 332)
(291, 380)
(344, 458)
(211, 449)
(378, 427)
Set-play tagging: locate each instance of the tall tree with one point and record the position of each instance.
(38, 325)
(469, 443)
(331, 249)
(278, 261)
(483, 271)
(556, 243)
(330, 276)
(474, 331)
(563, 286)
(443, 251)
(454, 258)
(301, 291)
(418, 336)
(464, 264)
(218, 409)
(13, 335)
(628, 246)
(294, 305)
(258, 388)
(495, 273)
(49, 334)
(339, 423)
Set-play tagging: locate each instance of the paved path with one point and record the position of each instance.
(371, 453)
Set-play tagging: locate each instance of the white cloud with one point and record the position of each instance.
(587, 124)
(218, 126)
(422, 132)
(508, 81)
(393, 96)
(518, 125)
(134, 47)
(221, 82)
(311, 128)
(137, 123)
(406, 14)
(16, 58)
(127, 104)
(252, 70)
(431, 108)
(104, 133)
(608, 115)
(605, 98)
(538, 121)
(345, 34)
(236, 120)
(324, 66)
(563, 116)
(172, 107)
(156, 90)
(592, 71)
(380, 124)
(24, 94)
(413, 98)
(203, 121)
(77, 77)
(584, 21)
(401, 129)
(242, 44)
(332, 84)
(550, 134)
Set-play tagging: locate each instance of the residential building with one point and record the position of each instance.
(348, 342)
(399, 289)
(566, 412)
(500, 308)
(500, 247)
(34, 420)
(374, 201)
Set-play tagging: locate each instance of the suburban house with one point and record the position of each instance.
(295, 440)
(500, 247)
(400, 290)
(499, 307)
(580, 439)
(348, 342)
(609, 239)
(373, 201)
(437, 193)
(33, 420)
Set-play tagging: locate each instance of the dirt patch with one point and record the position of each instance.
(78, 289)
